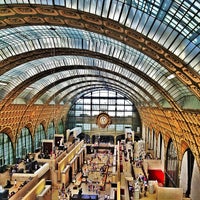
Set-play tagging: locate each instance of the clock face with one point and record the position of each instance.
(103, 120)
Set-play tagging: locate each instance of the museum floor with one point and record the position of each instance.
(101, 194)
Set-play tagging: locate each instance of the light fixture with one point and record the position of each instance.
(3, 83)
(171, 76)
(29, 88)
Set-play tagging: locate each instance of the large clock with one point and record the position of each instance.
(103, 120)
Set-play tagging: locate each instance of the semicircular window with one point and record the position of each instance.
(24, 144)
(39, 136)
(172, 166)
(121, 111)
(6, 150)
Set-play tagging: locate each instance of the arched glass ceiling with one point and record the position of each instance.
(172, 24)
(40, 37)
(84, 77)
(132, 90)
(72, 93)
(135, 94)
(81, 92)
(73, 84)
(83, 88)
(23, 72)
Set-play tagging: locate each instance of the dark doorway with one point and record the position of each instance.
(190, 158)
(70, 175)
(171, 174)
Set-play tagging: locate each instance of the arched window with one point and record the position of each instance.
(39, 136)
(24, 144)
(149, 138)
(60, 127)
(186, 175)
(171, 166)
(159, 146)
(154, 144)
(51, 131)
(84, 111)
(6, 150)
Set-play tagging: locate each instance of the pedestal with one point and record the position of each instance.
(151, 189)
(136, 194)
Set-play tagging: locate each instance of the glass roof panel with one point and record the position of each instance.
(80, 92)
(127, 56)
(51, 79)
(174, 24)
(112, 47)
(95, 84)
(181, 16)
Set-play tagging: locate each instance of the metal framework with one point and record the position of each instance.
(54, 51)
